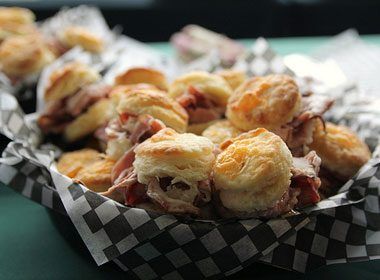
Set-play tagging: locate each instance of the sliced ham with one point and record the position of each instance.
(58, 114)
(124, 163)
(200, 108)
(305, 178)
(146, 124)
(84, 98)
(158, 196)
(299, 131)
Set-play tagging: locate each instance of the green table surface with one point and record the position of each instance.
(32, 246)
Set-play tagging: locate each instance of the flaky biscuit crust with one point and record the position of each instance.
(89, 167)
(233, 77)
(185, 157)
(71, 163)
(341, 150)
(79, 36)
(221, 131)
(214, 86)
(138, 75)
(24, 55)
(68, 79)
(96, 115)
(97, 175)
(253, 171)
(268, 102)
(157, 104)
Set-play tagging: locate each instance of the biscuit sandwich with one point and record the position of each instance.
(169, 169)
(342, 153)
(255, 175)
(21, 56)
(142, 112)
(274, 102)
(142, 75)
(77, 102)
(203, 95)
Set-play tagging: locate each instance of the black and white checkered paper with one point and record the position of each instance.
(149, 245)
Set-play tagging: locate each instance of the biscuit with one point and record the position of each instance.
(253, 171)
(267, 102)
(80, 36)
(220, 131)
(97, 175)
(233, 77)
(213, 86)
(119, 91)
(68, 79)
(16, 15)
(198, 128)
(341, 150)
(157, 104)
(143, 75)
(96, 115)
(24, 55)
(71, 163)
(184, 157)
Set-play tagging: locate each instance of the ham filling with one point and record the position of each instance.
(200, 108)
(58, 114)
(303, 191)
(173, 197)
(305, 178)
(135, 128)
(299, 131)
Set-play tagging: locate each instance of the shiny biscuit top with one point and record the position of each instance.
(268, 102)
(253, 171)
(213, 86)
(157, 104)
(184, 157)
(220, 131)
(24, 55)
(68, 79)
(79, 36)
(340, 149)
(140, 75)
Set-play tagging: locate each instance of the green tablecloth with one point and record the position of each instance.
(32, 245)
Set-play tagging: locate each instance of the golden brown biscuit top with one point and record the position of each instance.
(233, 77)
(269, 102)
(254, 156)
(119, 91)
(340, 149)
(16, 15)
(220, 131)
(78, 35)
(138, 75)
(144, 101)
(168, 143)
(23, 55)
(76, 73)
(213, 86)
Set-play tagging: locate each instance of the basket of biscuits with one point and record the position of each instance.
(187, 173)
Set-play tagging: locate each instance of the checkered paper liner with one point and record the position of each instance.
(149, 245)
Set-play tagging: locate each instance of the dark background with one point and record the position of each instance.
(156, 20)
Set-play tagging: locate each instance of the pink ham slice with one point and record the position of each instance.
(158, 195)
(299, 131)
(123, 164)
(60, 113)
(88, 95)
(199, 107)
(305, 178)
